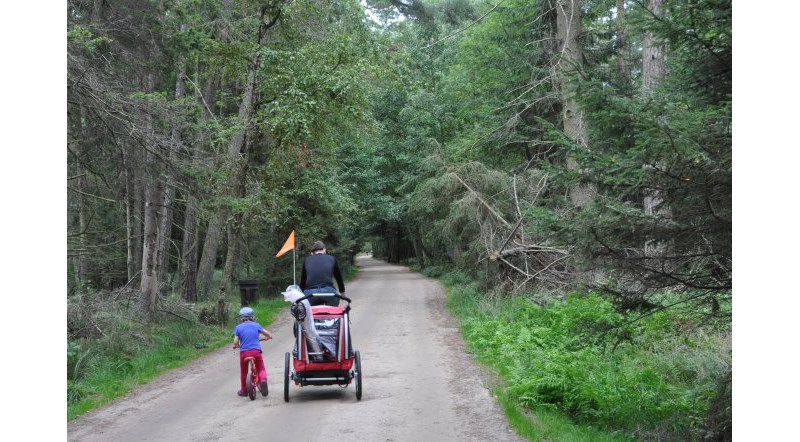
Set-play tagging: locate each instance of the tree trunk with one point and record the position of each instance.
(234, 230)
(570, 60)
(419, 251)
(653, 67)
(82, 265)
(653, 72)
(392, 246)
(621, 39)
(133, 212)
(165, 230)
(154, 196)
(165, 233)
(222, 315)
(79, 252)
(229, 269)
(150, 259)
(208, 259)
(188, 278)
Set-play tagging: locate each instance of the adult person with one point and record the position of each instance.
(316, 278)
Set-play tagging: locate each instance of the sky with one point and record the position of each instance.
(33, 173)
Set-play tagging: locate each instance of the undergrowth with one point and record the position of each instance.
(112, 348)
(661, 376)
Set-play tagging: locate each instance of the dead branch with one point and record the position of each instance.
(465, 27)
(530, 277)
(525, 249)
(477, 195)
(514, 267)
(513, 231)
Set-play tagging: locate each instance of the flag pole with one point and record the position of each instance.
(294, 260)
(290, 244)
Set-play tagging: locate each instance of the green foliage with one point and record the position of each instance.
(102, 370)
(312, 79)
(192, 40)
(485, 96)
(78, 360)
(543, 424)
(86, 38)
(582, 359)
(419, 135)
(74, 392)
(672, 145)
(491, 80)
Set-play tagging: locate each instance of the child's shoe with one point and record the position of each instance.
(263, 387)
(241, 393)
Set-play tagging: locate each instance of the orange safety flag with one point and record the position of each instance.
(287, 246)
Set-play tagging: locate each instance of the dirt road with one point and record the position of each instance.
(419, 382)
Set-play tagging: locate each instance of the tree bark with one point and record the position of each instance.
(79, 260)
(653, 72)
(150, 269)
(419, 250)
(82, 265)
(232, 252)
(621, 39)
(154, 196)
(653, 67)
(189, 253)
(208, 259)
(165, 229)
(570, 60)
(133, 211)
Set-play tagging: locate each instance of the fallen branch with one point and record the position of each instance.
(514, 267)
(521, 250)
(513, 231)
(477, 195)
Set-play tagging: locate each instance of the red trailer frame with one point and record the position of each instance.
(305, 368)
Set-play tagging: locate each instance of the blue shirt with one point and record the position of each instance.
(248, 332)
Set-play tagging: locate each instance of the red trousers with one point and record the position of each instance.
(262, 371)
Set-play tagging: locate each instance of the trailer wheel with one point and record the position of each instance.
(358, 376)
(287, 360)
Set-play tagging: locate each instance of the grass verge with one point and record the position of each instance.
(102, 370)
(579, 370)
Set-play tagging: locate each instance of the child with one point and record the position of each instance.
(246, 336)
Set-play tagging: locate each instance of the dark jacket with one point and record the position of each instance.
(319, 271)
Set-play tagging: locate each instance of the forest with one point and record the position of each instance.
(563, 166)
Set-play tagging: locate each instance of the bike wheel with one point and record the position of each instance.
(286, 377)
(251, 382)
(358, 376)
(265, 390)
